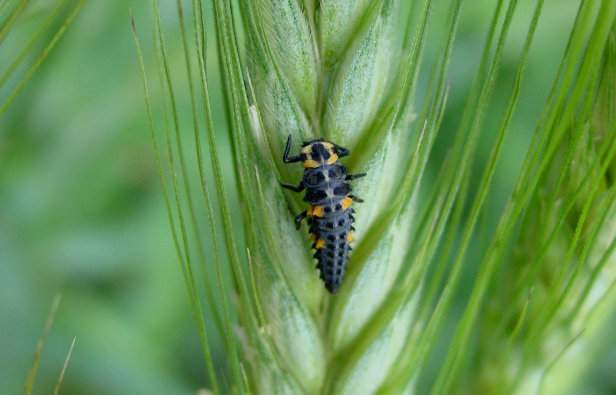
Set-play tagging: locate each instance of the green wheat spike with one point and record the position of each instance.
(350, 71)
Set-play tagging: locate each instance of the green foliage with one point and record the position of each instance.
(470, 286)
(351, 72)
(31, 377)
(10, 12)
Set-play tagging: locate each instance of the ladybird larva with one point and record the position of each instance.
(330, 215)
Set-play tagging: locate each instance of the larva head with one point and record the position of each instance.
(319, 152)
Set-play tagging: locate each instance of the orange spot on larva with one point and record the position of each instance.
(315, 211)
(346, 202)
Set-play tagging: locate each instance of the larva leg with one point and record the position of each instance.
(285, 156)
(341, 151)
(299, 218)
(293, 188)
(351, 177)
(356, 199)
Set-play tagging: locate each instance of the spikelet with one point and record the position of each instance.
(347, 71)
(329, 73)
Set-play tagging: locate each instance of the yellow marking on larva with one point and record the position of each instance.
(333, 158)
(320, 244)
(346, 202)
(315, 211)
(310, 164)
(307, 149)
(349, 237)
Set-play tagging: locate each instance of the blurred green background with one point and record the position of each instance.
(81, 209)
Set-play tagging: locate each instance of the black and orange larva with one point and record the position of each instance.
(330, 215)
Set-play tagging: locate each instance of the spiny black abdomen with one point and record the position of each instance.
(331, 220)
(332, 257)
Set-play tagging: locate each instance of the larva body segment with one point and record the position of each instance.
(330, 215)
